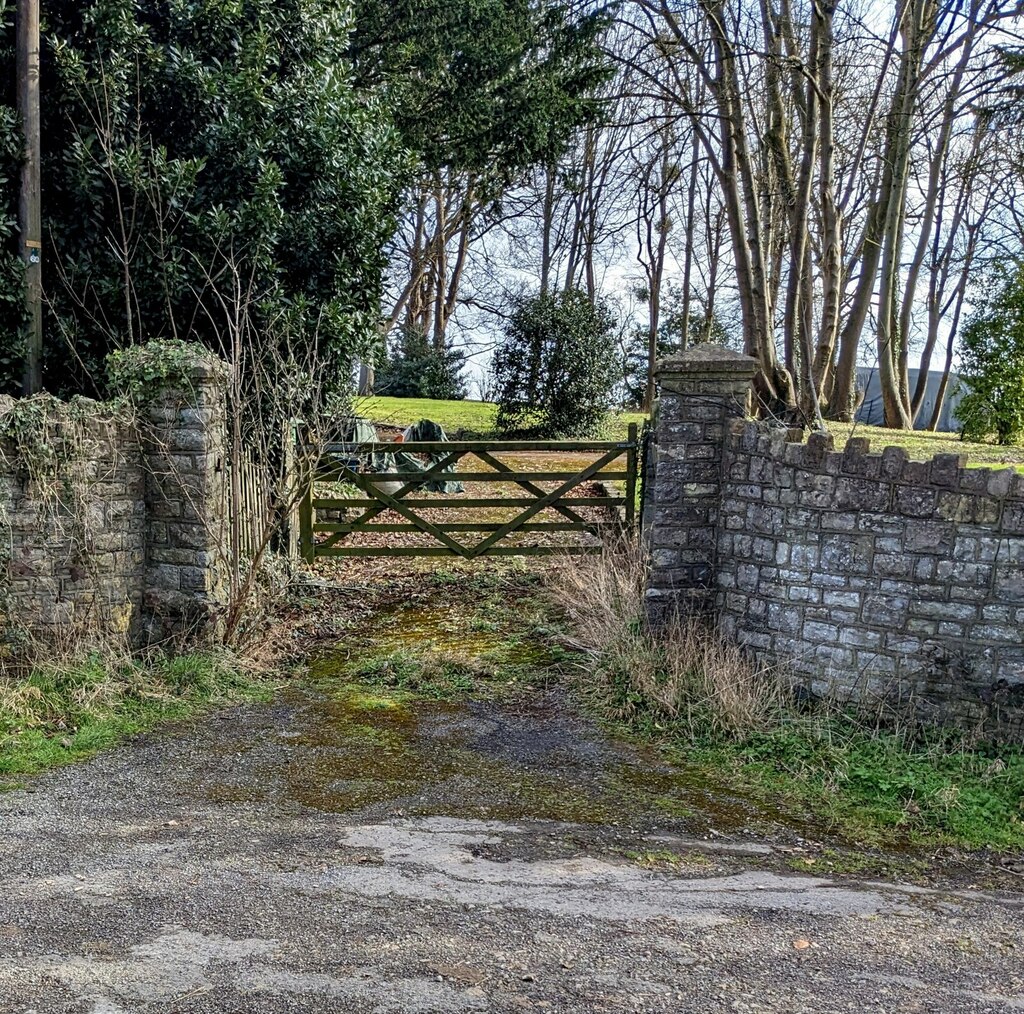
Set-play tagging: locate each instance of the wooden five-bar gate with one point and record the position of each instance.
(389, 506)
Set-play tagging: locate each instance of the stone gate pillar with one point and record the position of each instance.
(187, 484)
(700, 391)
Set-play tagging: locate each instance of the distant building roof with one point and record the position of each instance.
(872, 413)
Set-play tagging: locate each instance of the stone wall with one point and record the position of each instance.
(73, 522)
(861, 573)
(112, 517)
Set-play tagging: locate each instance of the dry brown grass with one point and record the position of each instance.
(681, 671)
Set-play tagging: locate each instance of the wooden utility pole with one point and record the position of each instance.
(30, 242)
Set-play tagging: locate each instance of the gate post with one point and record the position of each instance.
(700, 392)
(185, 452)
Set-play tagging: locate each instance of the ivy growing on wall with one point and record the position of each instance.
(143, 371)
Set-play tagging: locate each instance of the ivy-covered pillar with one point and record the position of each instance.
(699, 392)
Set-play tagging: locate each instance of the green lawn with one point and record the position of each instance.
(477, 418)
(922, 446)
(454, 416)
(463, 417)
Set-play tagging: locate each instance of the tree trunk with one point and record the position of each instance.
(918, 24)
(831, 215)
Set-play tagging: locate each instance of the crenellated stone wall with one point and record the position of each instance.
(862, 573)
(113, 516)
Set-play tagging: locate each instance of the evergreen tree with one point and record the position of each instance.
(489, 87)
(415, 369)
(992, 364)
(555, 371)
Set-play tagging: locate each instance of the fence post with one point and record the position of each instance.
(700, 391)
(290, 495)
(306, 544)
(631, 466)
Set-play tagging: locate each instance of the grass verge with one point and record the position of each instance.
(828, 772)
(65, 711)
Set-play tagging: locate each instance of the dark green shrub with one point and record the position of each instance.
(992, 365)
(415, 369)
(12, 296)
(555, 371)
(195, 151)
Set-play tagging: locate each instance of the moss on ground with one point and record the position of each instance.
(468, 635)
(476, 635)
(834, 778)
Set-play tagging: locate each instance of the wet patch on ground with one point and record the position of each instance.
(355, 751)
(459, 704)
(456, 697)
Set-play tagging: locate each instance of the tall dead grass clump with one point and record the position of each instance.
(681, 672)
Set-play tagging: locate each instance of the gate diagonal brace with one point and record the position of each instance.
(370, 513)
(566, 512)
(545, 501)
(367, 486)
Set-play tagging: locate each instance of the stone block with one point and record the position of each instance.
(935, 537)
(846, 554)
(945, 469)
(893, 461)
(1009, 585)
(915, 502)
(960, 611)
(893, 565)
(785, 618)
(803, 593)
(884, 610)
(164, 576)
(862, 494)
(856, 449)
(1013, 518)
(736, 603)
(1008, 633)
(747, 577)
(860, 637)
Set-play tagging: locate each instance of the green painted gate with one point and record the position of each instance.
(539, 502)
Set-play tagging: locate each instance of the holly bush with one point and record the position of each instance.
(200, 154)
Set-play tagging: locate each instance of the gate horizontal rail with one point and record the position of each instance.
(345, 462)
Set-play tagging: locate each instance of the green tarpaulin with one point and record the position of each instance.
(362, 431)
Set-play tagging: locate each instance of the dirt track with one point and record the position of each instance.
(298, 857)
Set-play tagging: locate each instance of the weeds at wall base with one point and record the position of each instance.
(832, 772)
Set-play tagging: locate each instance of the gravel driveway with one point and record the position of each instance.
(285, 857)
